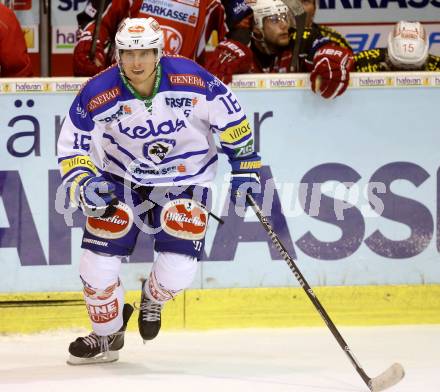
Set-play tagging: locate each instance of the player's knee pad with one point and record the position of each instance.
(99, 270)
(171, 273)
(103, 291)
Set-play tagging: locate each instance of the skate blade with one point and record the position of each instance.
(111, 356)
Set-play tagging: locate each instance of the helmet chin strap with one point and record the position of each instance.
(153, 71)
(261, 42)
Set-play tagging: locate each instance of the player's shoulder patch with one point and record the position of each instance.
(371, 54)
(176, 56)
(101, 90)
(326, 29)
(182, 73)
(334, 36)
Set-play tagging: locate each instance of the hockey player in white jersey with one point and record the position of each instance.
(141, 133)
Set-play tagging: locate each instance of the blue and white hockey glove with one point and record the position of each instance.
(245, 179)
(94, 195)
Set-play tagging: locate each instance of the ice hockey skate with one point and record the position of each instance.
(93, 348)
(149, 320)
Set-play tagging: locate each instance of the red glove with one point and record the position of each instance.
(331, 70)
(82, 65)
(230, 57)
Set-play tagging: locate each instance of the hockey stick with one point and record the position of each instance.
(99, 13)
(385, 380)
(297, 9)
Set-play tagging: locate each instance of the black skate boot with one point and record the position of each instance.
(149, 317)
(99, 349)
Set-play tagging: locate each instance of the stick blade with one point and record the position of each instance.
(388, 378)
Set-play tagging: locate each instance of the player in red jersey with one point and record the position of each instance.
(186, 24)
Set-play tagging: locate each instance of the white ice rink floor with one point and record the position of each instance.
(269, 360)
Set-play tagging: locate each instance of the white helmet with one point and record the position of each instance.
(139, 33)
(408, 45)
(263, 8)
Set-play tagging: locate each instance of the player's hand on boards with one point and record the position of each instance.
(331, 70)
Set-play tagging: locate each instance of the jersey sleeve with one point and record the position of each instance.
(215, 21)
(334, 37)
(228, 120)
(75, 142)
(371, 60)
(433, 63)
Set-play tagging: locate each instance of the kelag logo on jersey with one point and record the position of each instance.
(157, 150)
(140, 132)
(171, 10)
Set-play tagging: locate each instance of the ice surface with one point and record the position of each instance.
(270, 360)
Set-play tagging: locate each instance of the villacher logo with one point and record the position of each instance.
(115, 226)
(183, 218)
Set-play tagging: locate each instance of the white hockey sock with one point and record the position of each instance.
(171, 273)
(103, 291)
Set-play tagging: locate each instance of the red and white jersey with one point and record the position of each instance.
(14, 59)
(187, 24)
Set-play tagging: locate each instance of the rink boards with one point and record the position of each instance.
(238, 308)
(331, 166)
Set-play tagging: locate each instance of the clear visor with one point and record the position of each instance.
(277, 18)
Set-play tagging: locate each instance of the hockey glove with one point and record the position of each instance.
(245, 179)
(94, 196)
(82, 64)
(331, 70)
(230, 57)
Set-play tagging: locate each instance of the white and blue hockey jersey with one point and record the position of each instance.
(166, 139)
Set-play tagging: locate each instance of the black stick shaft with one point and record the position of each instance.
(298, 275)
(300, 21)
(97, 29)
(217, 218)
